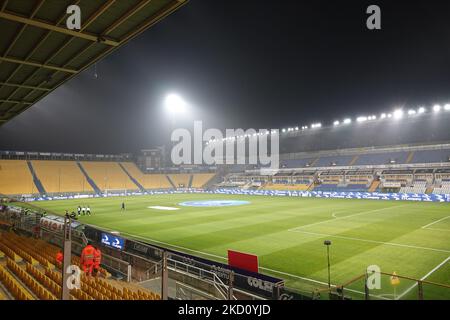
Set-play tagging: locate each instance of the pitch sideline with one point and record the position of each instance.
(430, 224)
(264, 268)
(423, 278)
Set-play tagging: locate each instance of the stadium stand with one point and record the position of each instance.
(61, 176)
(361, 177)
(296, 163)
(443, 188)
(27, 278)
(393, 180)
(416, 187)
(382, 158)
(334, 161)
(431, 156)
(148, 181)
(199, 180)
(298, 187)
(108, 175)
(180, 180)
(16, 178)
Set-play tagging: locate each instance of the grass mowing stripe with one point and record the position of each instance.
(371, 241)
(423, 278)
(345, 217)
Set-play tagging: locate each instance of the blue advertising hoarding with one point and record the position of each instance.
(112, 241)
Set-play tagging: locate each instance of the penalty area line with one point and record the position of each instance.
(423, 278)
(325, 235)
(345, 217)
(430, 224)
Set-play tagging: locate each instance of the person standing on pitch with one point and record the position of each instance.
(123, 206)
(79, 210)
(88, 210)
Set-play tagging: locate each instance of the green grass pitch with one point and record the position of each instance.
(287, 233)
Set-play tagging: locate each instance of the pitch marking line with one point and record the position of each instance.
(345, 217)
(370, 241)
(423, 278)
(263, 268)
(430, 224)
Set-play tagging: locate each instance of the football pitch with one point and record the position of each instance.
(287, 233)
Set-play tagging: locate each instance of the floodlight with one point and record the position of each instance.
(398, 114)
(296, 128)
(447, 107)
(175, 104)
(421, 110)
(411, 112)
(383, 115)
(284, 130)
(436, 108)
(361, 119)
(336, 123)
(347, 121)
(389, 115)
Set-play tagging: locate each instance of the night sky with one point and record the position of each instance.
(247, 64)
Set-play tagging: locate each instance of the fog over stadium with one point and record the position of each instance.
(276, 65)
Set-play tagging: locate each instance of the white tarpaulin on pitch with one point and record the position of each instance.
(164, 208)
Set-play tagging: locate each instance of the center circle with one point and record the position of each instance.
(214, 203)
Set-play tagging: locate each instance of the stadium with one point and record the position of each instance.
(357, 208)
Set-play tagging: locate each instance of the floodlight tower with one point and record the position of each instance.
(175, 106)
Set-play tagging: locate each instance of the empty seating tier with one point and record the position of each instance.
(108, 175)
(199, 180)
(180, 180)
(16, 178)
(24, 278)
(61, 176)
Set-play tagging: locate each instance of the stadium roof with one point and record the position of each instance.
(39, 53)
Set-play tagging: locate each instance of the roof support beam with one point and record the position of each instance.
(97, 14)
(11, 45)
(36, 47)
(16, 102)
(37, 65)
(47, 26)
(17, 85)
(167, 10)
(5, 3)
(125, 17)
